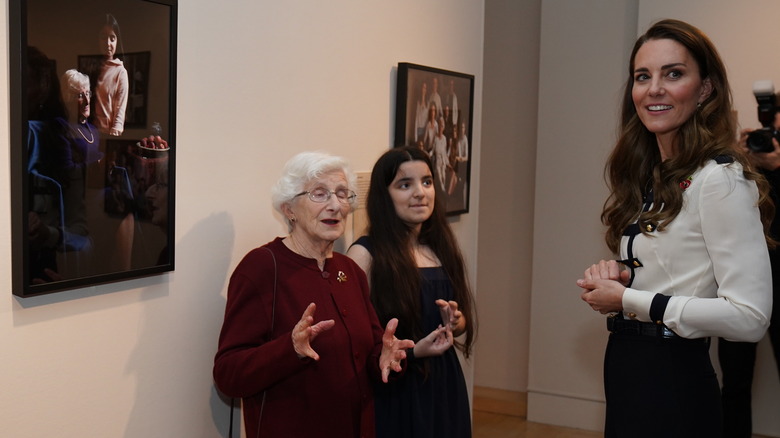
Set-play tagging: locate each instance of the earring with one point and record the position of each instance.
(698, 105)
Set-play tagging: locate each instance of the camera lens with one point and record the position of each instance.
(760, 140)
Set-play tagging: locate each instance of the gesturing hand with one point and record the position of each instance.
(393, 350)
(305, 331)
(451, 317)
(435, 344)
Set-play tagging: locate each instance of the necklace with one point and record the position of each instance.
(84, 136)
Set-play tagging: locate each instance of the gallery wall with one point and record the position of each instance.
(257, 83)
(506, 193)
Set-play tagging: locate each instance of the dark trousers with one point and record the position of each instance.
(737, 361)
(659, 387)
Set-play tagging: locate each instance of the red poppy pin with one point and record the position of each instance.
(684, 184)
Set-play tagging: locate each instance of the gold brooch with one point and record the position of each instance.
(342, 277)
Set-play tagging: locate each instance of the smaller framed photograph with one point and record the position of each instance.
(434, 111)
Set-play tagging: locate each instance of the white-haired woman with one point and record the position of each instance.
(301, 343)
(77, 97)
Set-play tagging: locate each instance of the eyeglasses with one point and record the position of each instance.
(321, 194)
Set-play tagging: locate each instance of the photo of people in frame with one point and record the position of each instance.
(96, 140)
(433, 113)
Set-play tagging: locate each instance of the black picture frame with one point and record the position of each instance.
(92, 195)
(452, 95)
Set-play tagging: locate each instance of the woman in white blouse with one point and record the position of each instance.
(688, 216)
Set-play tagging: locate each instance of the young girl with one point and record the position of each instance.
(111, 90)
(416, 274)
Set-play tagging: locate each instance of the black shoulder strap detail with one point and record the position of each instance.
(724, 159)
(632, 231)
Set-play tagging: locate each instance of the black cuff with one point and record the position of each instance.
(658, 308)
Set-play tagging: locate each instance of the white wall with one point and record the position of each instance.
(583, 48)
(584, 51)
(257, 82)
(506, 196)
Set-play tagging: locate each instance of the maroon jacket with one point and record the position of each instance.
(331, 397)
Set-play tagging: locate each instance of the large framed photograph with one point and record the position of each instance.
(434, 111)
(93, 141)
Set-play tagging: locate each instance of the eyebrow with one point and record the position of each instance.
(663, 67)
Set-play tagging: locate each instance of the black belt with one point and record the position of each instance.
(619, 325)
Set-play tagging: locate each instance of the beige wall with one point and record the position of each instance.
(506, 193)
(583, 47)
(257, 82)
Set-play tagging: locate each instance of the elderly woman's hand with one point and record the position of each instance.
(305, 331)
(393, 350)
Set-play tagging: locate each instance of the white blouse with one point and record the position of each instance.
(712, 259)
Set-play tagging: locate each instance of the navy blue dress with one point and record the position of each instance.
(431, 405)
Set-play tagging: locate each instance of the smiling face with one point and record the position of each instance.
(667, 88)
(319, 223)
(413, 193)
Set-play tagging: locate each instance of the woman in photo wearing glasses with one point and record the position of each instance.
(301, 343)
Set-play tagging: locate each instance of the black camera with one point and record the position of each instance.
(760, 140)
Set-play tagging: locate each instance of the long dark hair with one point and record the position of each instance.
(112, 23)
(635, 164)
(395, 279)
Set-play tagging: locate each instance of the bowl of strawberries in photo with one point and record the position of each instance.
(153, 146)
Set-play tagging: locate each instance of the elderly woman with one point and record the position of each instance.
(77, 97)
(301, 343)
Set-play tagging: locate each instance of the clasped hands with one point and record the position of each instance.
(603, 286)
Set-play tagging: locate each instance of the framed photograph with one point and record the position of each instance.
(93, 141)
(434, 111)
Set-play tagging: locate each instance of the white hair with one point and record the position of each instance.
(304, 168)
(74, 81)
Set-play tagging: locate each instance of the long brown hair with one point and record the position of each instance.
(395, 278)
(635, 164)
